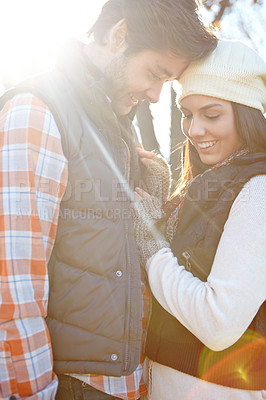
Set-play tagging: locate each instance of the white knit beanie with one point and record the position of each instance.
(233, 72)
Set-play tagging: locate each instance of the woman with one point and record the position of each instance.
(207, 335)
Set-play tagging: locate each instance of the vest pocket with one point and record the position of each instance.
(193, 265)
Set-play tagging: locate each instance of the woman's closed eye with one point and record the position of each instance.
(212, 116)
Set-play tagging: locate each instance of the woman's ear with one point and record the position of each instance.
(117, 37)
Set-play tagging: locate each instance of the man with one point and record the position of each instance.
(68, 164)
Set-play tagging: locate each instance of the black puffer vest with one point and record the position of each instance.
(202, 218)
(95, 301)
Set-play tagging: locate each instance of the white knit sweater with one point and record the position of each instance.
(217, 311)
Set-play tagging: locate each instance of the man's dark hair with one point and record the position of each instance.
(158, 25)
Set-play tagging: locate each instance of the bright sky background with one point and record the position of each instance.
(31, 32)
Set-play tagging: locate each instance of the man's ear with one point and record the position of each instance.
(117, 37)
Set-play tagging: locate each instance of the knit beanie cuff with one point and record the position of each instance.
(233, 72)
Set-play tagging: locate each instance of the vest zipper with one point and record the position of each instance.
(127, 174)
(128, 303)
(197, 269)
(187, 257)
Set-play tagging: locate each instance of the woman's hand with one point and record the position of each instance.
(146, 211)
(156, 176)
(140, 194)
(146, 157)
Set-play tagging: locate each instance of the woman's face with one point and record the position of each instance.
(209, 124)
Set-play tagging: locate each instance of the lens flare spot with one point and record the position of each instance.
(241, 365)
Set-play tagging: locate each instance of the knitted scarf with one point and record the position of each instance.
(173, 206)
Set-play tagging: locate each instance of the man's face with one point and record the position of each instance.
(139, 77)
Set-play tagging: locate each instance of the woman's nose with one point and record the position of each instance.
(196, 128)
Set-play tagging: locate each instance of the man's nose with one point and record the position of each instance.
(153, 93)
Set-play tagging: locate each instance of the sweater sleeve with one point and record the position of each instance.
(219, 311)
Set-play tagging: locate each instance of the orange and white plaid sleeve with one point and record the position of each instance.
(33, 176)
